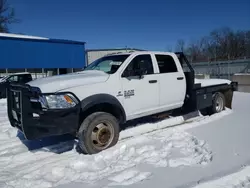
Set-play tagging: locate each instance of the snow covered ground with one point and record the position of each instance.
(175, 152)
(236, 180)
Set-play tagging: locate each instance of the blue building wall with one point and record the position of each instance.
(38, 53)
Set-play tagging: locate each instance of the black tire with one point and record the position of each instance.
(218, 103)
(89, 126)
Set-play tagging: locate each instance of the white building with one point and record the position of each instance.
(93, 54)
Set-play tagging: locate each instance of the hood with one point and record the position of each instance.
(60, 82)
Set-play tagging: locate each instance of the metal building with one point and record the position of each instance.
(40, 55)
(93, 54)
(223, 69)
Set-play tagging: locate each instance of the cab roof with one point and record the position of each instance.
(18, 73)
(141, 52)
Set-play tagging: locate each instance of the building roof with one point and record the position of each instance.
(36, 38)
(113, 49)
(21, 36)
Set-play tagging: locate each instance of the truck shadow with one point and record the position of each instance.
(55, 144)
(153, 119)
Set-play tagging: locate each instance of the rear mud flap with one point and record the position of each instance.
(228, 98)
(229, 94)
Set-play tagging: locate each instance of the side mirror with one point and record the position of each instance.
(126, 74)
(140, 72)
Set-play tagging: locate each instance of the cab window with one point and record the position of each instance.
(166, 63)
(25, 78)
(140, 62)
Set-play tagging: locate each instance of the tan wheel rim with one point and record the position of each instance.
(102, 135)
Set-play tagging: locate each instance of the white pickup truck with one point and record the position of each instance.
(93, 103)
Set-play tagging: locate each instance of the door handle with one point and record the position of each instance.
(179, 78)
(152, 81)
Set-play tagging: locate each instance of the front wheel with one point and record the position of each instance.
(98, 132)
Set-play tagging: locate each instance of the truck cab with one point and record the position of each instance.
(155, 77)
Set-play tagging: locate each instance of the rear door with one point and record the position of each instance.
(172, 82)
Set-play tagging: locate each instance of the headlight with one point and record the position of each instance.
(61, 101)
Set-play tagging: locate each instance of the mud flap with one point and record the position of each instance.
(229, 94)
(228, 98)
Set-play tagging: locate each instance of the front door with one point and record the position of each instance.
(141, 94)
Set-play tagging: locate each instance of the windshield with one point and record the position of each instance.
(4, 78)
(108, 64)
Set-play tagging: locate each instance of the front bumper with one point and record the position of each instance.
(26, 113)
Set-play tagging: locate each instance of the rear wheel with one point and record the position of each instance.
(98, 132)
(218, 103)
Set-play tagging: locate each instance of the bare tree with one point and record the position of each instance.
(7, 16)
(209, 48)
(192, 51)
(220, 44)
(169, 48)
(247, 38)
(180, 46)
